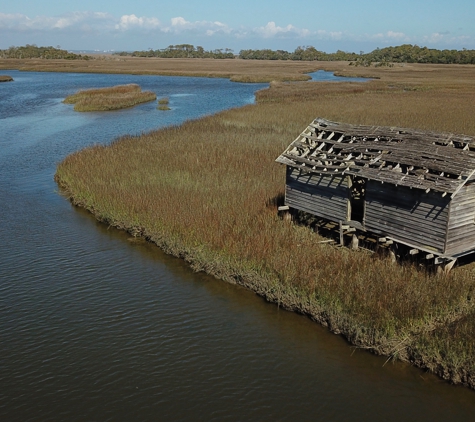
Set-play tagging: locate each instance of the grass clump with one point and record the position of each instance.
(214, 202)
(163, 104)
(112, 98)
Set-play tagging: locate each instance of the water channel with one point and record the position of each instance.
(94, 327)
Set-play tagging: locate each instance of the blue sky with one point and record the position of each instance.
(328, 26)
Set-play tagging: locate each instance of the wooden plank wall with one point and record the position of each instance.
(408, 215)
(461, 229)
(321, 195)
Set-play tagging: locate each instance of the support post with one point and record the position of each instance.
(449, 266)
(354, 242)
(341, 233)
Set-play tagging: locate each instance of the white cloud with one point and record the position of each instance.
(447, 40)
(180, 25)
(218, 27)
(12, 20)
(436, 37)
(391, 36)
(396, 35)
(127, 22)
(180, 22)
(329, 35)
(75, 20)
(177, 25)
(271, 30)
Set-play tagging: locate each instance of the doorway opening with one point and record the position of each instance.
(356, 207)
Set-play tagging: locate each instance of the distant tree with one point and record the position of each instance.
(32, 51)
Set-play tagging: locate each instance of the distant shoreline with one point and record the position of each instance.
(247, 71)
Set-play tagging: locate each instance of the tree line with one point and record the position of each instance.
(182, 51)
(32, 51)
(405, 53)
(307, 53)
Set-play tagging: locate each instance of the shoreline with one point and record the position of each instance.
(290, 299)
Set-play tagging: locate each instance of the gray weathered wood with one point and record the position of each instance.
(419, 186)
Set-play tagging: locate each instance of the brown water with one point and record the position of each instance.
(94, 327)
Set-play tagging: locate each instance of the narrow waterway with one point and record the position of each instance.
(95, 327)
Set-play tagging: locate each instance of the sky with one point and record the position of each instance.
(352, 26)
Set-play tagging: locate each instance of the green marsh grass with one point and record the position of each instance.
(208, 192)
(107, 99)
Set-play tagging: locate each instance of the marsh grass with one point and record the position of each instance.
(208, 192)
(236, 70)
(163, 104)
(112, 98)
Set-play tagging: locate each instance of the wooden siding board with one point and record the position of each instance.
(313, 205)
(316, 200)
(460, 246)
(407, 214)
(454, 225)
(414, 226)
(461, 228)
(421, 212)
(433, 221)
(409, 232)
(462, 233)
(464, 200)
(323, 196)
(464, 210)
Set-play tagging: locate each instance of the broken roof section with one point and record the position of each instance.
(425, 160)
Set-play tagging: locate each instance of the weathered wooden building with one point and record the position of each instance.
(411, 187)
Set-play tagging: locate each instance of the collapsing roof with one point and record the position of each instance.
(424, 160)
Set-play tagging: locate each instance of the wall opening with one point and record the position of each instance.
(357, 193)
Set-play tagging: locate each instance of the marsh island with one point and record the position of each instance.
(108, 99)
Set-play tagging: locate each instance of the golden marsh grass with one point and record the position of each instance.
(163, 104)
(234, 69)
(112, 98)
(208, 191)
